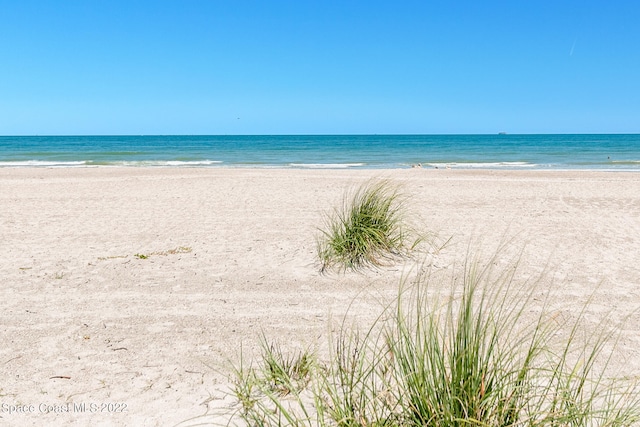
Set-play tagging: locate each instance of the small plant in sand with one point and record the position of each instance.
(285, 374)
(369, 230)
(469, 358)
(277, 375)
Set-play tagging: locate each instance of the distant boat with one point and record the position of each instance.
(502, 133)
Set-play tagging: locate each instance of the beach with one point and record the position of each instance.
(135, 289)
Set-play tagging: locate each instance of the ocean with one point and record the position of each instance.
(501, 151)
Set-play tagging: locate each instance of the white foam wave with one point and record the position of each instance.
(191, 163)
(89, 163)
(42, 163)
(172, 163)
(326, 165)
(480, 165)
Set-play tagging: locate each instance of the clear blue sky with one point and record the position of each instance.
(319, 67)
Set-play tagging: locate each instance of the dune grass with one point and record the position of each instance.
(369, 230)
(473, 356)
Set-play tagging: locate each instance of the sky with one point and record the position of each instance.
(91, 67)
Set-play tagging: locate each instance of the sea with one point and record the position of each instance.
(615, 152)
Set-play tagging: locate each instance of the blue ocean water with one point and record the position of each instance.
(602, 152)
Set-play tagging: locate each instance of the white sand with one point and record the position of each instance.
(231, 254)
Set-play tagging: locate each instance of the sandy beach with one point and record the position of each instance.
(127, 292)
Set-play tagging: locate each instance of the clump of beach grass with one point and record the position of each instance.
(278, 376)
(370, 229)
(473, 356)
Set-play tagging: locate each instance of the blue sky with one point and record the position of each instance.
(311, 67)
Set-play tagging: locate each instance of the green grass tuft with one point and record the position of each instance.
(369, 230)
(278, 376)
(473, 357)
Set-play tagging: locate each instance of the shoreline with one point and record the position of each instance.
(215, 164)
(229, 254)
(285, 168)
(565, 151)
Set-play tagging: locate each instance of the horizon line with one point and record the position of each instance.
(319, 134)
